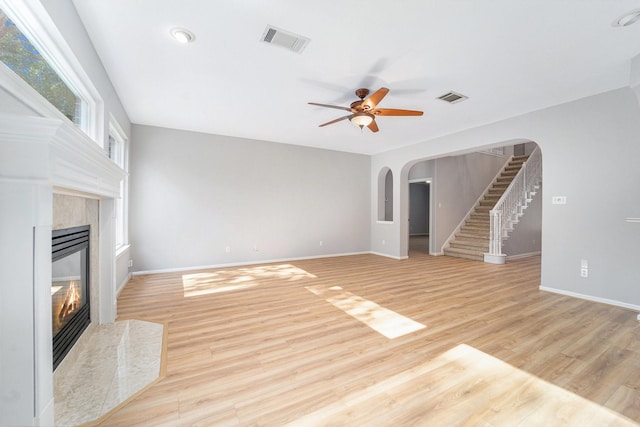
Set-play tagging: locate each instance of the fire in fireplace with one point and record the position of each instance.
(70, 254)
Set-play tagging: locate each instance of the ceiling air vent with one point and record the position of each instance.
(453, 97)
(286, 39)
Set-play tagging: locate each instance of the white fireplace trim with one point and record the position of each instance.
(38, 154)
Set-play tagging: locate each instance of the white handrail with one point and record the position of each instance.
(514, 201)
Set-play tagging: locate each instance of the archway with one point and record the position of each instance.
(457, 182)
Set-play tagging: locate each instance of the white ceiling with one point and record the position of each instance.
(509, 56)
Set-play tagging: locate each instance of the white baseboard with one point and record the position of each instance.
(494, 259)
(633, 307)
(122, 285)
(389, 256)
(520, 256)
(239, 264)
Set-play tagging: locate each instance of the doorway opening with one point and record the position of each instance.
(419, 216)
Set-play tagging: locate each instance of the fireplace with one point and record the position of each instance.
(70, 256)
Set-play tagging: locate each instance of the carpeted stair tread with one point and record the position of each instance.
(464, 253)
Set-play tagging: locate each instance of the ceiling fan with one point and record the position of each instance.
(364, 111)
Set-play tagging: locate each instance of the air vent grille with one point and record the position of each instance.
(453, 97)
(276, 36)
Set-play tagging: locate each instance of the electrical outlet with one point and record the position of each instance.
(255, 248)
(320, 242)
(384, 242)
(584, 263)
(227, 249)
(584, 272)
(130, 263)
(559, 200)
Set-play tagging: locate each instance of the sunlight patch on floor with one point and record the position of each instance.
(197, 284)
(464, 387)
(382, 320)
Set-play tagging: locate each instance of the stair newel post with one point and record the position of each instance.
(495, 236)
(525, 179)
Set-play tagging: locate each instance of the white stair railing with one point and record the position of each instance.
(508, 210)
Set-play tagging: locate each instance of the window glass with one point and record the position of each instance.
(17, 53)
(117, 149)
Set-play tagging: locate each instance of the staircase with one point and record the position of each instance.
(473, 238)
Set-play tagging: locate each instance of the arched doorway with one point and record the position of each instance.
(456, 184)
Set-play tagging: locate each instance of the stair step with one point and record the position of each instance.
(476, 237)
(477, 222)
(480, 230)
(479, 217)
(464, 253)
(471, 245)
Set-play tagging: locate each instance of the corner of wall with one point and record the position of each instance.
(634, 78)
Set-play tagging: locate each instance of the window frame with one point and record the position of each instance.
(122, 203)
(35, 23)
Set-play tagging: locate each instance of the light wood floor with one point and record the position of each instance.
(257, 346)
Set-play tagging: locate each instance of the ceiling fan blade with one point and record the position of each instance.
(396, 112)
(374, 99)
(336, 120)
(373, 127)
(330, 106)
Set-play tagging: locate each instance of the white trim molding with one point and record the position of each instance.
(592, 298)
(242, 263)
(521, 256)
(34, 22)
(56, 151)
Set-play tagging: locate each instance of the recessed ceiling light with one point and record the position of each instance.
(627, 19)
(182, 35)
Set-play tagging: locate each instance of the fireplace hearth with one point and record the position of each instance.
(70, 255)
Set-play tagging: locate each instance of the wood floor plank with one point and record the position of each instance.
(253, 345)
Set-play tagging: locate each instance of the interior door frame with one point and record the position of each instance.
(429, 182)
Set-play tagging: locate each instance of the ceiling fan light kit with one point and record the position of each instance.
(364, 111)
(362, 119)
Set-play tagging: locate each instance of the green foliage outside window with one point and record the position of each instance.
(17, 53)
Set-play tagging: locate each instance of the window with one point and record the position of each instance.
(118, 150)
(17, 53)
(32, 47)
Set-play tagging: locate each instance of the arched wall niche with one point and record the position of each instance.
(385, 195)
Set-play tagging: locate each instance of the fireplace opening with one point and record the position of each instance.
(70, 256)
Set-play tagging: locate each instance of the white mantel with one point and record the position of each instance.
(40, 155)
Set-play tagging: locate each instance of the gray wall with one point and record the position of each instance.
(193, 195)
(423, 170)
(589, 150)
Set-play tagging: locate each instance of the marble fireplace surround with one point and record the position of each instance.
(41, 160)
